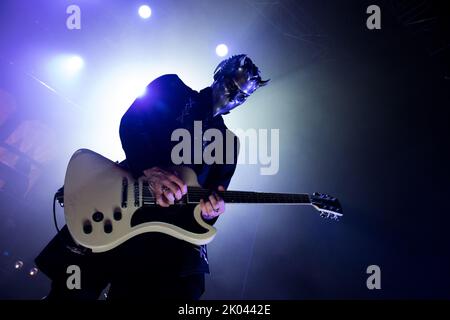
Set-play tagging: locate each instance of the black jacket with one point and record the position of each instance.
(145, 132)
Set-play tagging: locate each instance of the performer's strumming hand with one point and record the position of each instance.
(167, 187)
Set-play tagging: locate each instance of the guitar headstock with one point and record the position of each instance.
(328, 206)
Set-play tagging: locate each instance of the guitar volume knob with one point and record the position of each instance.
(97, 216)
(107, 227)
(117, 215)
(87, 227)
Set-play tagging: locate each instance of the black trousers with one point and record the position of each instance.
(134, 271)
(166, 287)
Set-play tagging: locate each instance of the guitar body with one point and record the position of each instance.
(104, 206)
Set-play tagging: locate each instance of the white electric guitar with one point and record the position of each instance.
(104, 205)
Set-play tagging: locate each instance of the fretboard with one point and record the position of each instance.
(196, 193)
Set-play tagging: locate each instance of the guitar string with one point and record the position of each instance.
(256, 196)
(239, 194)
(237, 200)
(236, 196)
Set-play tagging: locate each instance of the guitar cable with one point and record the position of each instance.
(54, 213)
(58, 197)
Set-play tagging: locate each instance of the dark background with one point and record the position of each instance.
(361, 113)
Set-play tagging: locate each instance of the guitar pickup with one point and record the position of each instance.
(136, 194)
(124, 192)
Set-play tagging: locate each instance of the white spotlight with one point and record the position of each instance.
(18, 265)
(145, 11)
(222, 50)
(33, 271)
(73, 64)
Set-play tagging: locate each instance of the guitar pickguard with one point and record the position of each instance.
(180, 216)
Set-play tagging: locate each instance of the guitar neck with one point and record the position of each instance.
(195, 194)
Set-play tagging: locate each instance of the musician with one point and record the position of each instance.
(155, 265)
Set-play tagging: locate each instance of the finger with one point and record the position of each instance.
(221, 188)
(220, 203)
(217, 197)
(157, 193)
(203, 208)
(214, 202)
(160, 201)
(155, 171)
(174, 188)
(153, 187)
(209, 208)
(179, 182)
(170, 197)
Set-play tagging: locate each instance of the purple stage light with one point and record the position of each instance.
(33, 271)
(18, 265)
(145, 11)
(73, 64)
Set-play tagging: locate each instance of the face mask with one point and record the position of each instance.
(235, 79)
(229, 96)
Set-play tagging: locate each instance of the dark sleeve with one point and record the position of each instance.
(138, 142)
(222, 174)
(146, 127)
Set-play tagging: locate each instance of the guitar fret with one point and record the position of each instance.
(197, 193)
(147, 196)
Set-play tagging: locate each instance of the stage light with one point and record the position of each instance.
(18, 265)
(70, 65)
(145, 11)
(222, 50)
(73, 64)
(63, 69)
(33, 271)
